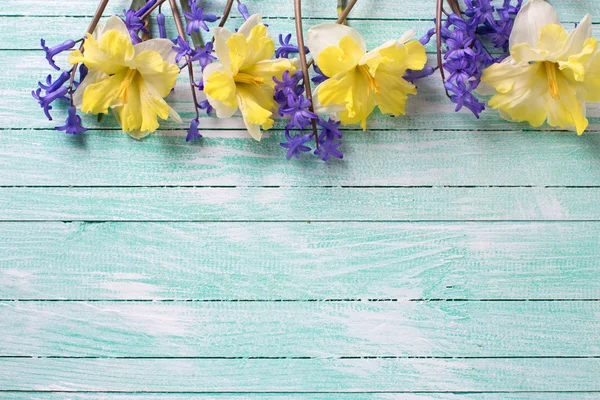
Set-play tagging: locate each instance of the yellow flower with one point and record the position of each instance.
(130, 80)
(550, 74)
(359, 80)
(243, 77)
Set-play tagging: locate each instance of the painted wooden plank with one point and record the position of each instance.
(300, 329)
(298, 204)
(430, 109)
(386, 158)
(569, 10)
(342, 260)
(347, 375)
(57, 30)
(302, 396)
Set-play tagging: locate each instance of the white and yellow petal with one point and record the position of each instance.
(321, 36)
(221, 88)
(529, 21)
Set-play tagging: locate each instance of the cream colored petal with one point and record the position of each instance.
(393, 42)
(221, 109)
(113, 23)
(164, 47)
(575, 41)
(530, 20)
(249, 24)
(324, 35)
(91, 78)
(221, 36)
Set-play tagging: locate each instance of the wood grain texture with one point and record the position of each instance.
(300, 329)
(302, 396)
(311, 375)
(495, 223)
(569, 10)
(387, 158)
(299, 260)
(299, 204)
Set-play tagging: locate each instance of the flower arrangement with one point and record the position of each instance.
(535, 70)
(519, 53)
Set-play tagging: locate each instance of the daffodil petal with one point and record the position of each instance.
(392, 100)
(567, 111)
(91, 78)
(522, 90)
(219, 84)
(352, 91)
(153, 106)
(159, 73)
(99, 96)
(222, 110)
(523, 52)
(576, 40)
(248, 25)
(113, 23)
(112, 53)
(529, 21)
(393, 42)
(321, 36)
(269, 69)
(552, 38)
(221, 36)
(591, 83)
(164, 47)
(263, 46)
(577, 63)
(238, 52)
(334, 60)
(254, 113)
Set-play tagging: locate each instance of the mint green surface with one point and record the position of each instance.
(444, 258)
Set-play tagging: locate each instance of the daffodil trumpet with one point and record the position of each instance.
(550, 74)
(360, 80)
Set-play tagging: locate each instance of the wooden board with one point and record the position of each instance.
(444, 258)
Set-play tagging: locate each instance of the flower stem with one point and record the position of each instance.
(438, 29)
(147, 13)
(181, 33)
(341, 20)
(91, 27)
(226, 12)
(302, 53)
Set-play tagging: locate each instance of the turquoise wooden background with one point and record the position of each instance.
(443, 258)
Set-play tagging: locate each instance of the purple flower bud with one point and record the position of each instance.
(145, 8)
(243, 10)
(73, 124)
(321, 77)
(193, 133)
(52, 51)
(205, 105)
(411, 76)
(160, 21)
(298, 110)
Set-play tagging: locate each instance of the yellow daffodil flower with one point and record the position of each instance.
(242, 78)
(130, 80)
(360, 80)
(550, 74)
